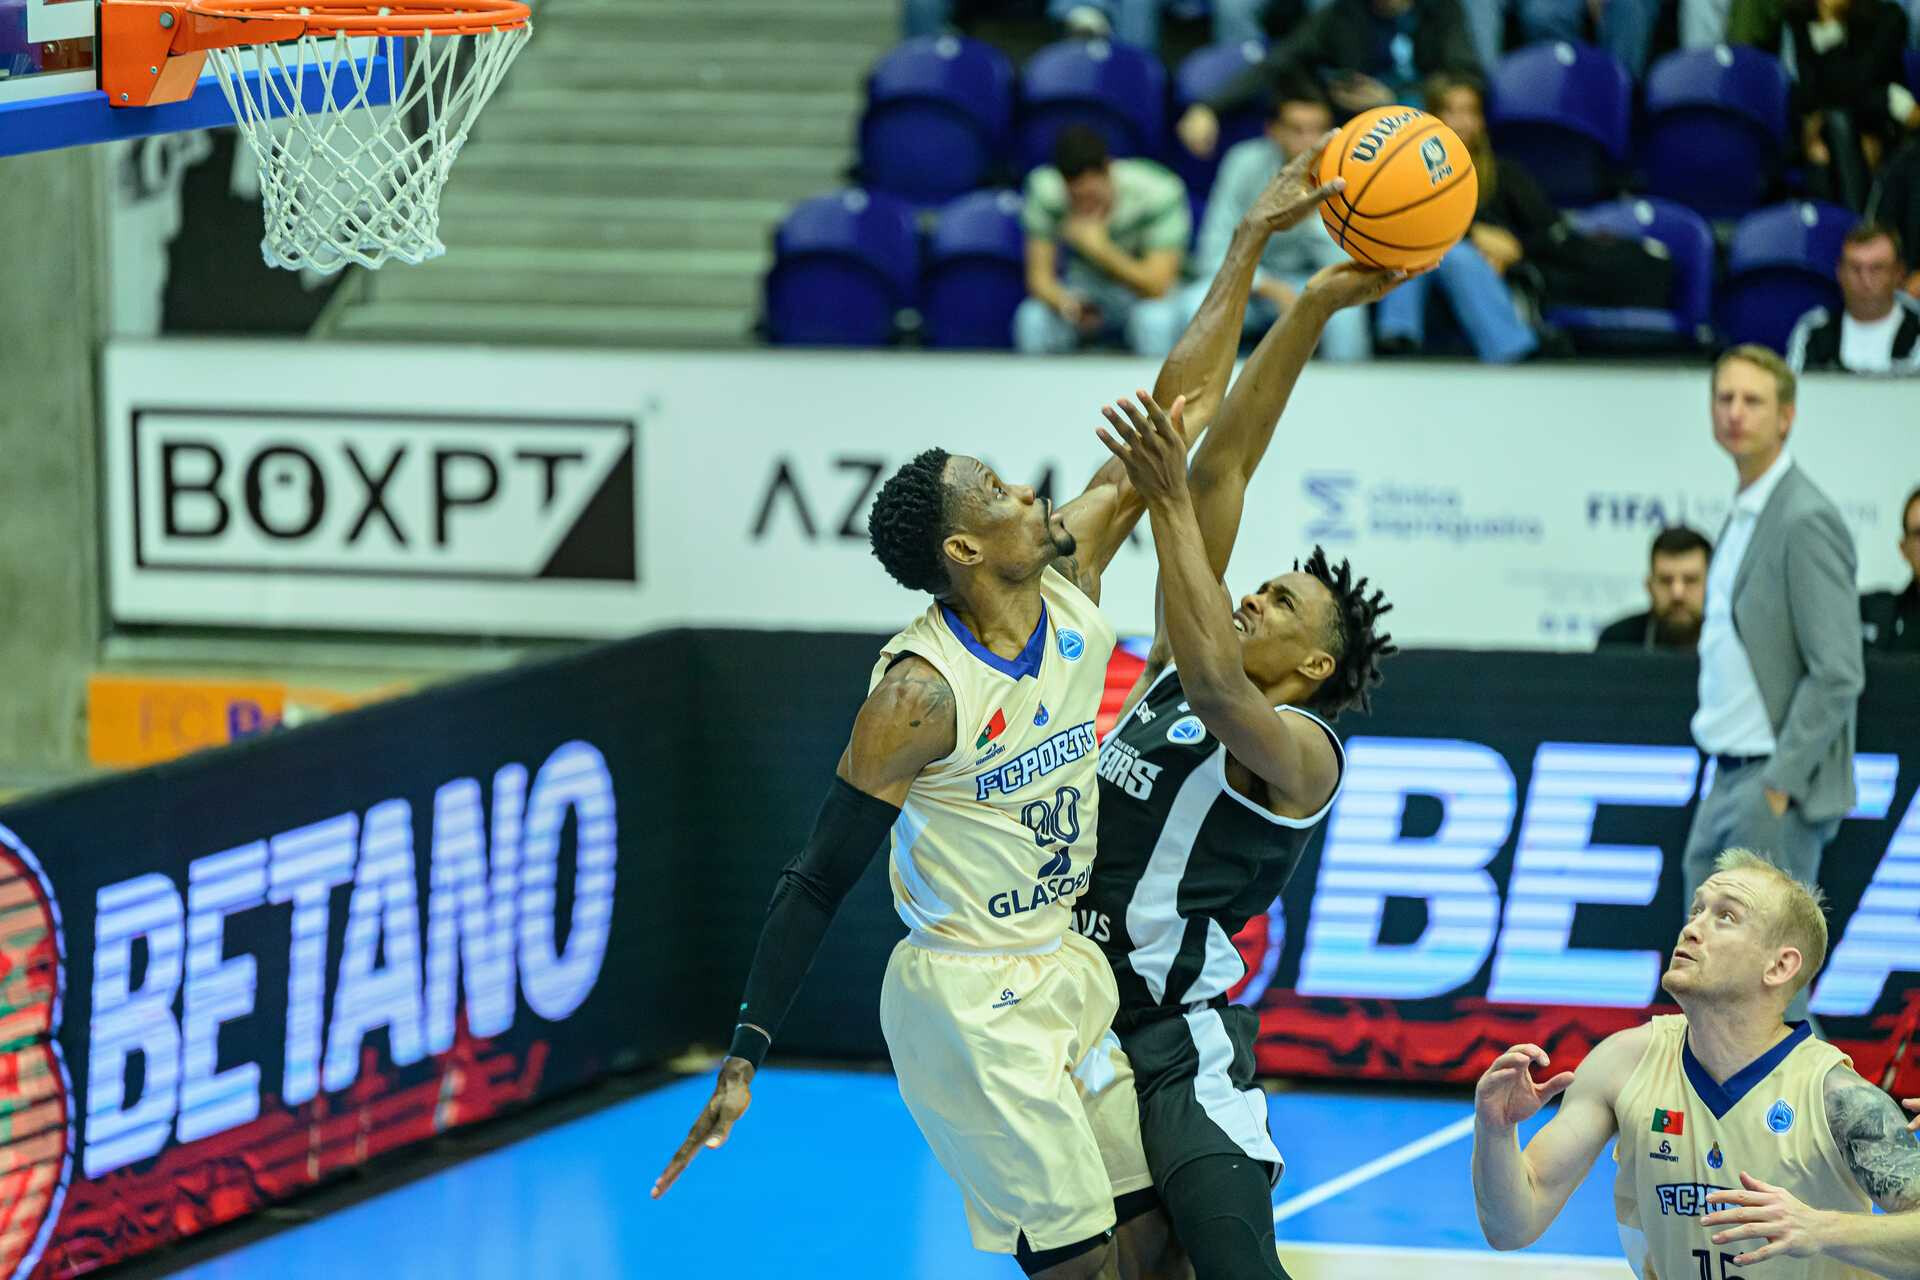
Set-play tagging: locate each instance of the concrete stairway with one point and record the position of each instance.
(622, 187)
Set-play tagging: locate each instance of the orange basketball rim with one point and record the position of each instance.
(354, 111)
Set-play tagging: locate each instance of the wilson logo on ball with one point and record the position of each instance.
(1410, 191)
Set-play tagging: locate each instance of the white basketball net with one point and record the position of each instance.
(354, 178)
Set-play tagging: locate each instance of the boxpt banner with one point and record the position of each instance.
(474, 490)
(226, 978)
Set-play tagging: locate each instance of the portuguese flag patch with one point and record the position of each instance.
(1669, 1121)
(995, 727)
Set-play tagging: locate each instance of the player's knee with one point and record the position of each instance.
(1089, 1259)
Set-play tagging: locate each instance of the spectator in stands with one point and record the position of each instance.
(1300, 117)
(1891, 620)
(1850, 98)
(1135, 22)
(1623, 28)
(1878, 329)
(1513, 214)
(1369, 53)
(1895, 203)
(1780, 654)
(1123, 227)
(1676, 596)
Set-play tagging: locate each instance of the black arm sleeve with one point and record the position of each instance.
(846, 835)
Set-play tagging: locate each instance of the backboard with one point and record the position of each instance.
(49, 89)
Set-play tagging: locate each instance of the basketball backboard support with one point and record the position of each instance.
(50, 95)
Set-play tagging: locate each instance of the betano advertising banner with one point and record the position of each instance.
(515, 493)
(225, 979)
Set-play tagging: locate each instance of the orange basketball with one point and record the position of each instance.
(1411, 190)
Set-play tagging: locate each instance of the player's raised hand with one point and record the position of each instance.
(1348, 284)
(1769, 1213)
(1150, 443)
(1294, 192)
(729, 1102)
(1507, 1093)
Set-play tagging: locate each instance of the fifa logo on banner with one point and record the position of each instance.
(1332, 492)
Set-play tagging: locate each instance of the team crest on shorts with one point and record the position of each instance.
(1072, 645)
(1186, 731)
(1780, 1116)
(1434, 152)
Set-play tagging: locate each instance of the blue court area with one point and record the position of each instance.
(827, 1176)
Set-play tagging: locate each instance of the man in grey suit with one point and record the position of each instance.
(1780, 657)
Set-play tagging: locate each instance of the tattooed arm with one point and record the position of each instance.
(1885, 1161)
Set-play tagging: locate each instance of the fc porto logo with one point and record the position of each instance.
(1714, 1158)
(1072, 645)
(36, 1099)
(1434, 153)
(1780, 1117)
(1186, 731)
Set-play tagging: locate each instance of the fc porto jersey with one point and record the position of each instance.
(1683, 1135)
(994, 841)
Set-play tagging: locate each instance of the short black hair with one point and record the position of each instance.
(912, 515)
(1677, 540)
(1866, 231)
(1079, 149)
(1350, 636)
(1297, 87)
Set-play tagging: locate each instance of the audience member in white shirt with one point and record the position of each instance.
(1878, 329)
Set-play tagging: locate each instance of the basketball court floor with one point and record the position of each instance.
(827, 1177)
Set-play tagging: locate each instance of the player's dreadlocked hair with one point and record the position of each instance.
(910, 519)
(1357, 650)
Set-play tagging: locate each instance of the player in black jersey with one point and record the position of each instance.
(1220, 767)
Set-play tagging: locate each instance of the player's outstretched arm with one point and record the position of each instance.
(1289, 753)
(1885, 1161)
(906, 723)
(1519, 1193)
(1232, 450)
(1197, 368)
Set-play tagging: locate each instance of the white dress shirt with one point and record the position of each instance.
(1732, 719)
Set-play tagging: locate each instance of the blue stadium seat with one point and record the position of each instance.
(1115, 88)
(843, 265)
(1564, 111)
(1716, 128)
(976, 272)
(1780, 265)
(938, 113)
(1687, 320)
(1204, 73)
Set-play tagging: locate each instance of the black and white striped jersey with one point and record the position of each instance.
(1184, 860)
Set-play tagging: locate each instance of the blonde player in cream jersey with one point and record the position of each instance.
(974, 756)
(1746, 1146)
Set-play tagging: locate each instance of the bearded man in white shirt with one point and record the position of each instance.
(1780, 656)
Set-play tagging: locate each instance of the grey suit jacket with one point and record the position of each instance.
(1796, 612)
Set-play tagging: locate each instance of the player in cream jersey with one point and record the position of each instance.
(974, 758)
(1747, 1147)
(993, 843)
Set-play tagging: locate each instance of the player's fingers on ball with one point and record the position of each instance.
(1313, 154)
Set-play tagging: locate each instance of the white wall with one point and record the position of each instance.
(1508, 507)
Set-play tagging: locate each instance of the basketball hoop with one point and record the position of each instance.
(354, 111)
